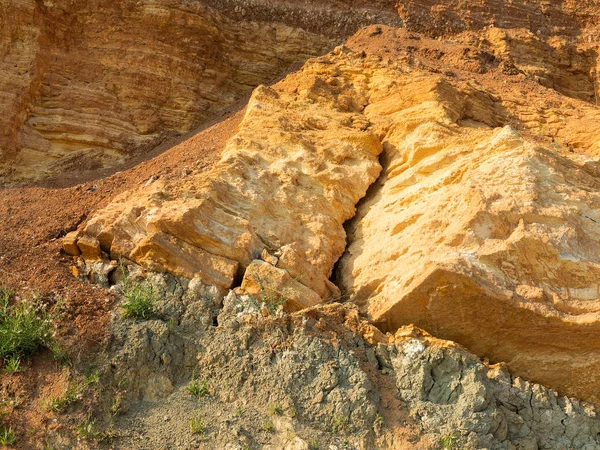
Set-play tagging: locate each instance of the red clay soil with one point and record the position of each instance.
(34, 218)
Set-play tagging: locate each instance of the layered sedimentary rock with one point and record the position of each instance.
(286, 183)
(89, 84)
(546, 17)
(86, 85)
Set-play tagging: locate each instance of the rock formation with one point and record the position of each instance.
(301, 156)
(481, 228)
(436, 175)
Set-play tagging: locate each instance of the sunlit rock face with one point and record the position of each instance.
(469, 208)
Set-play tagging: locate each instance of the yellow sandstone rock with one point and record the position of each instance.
(70, 244)
(89, 248)
(288, 180)
(475, 231)
(276, 287)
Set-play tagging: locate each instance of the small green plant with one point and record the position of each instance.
(13, 365)
(276, 410)
(92, 377)
(448, 442)
(72, 394)
(339, 423)
(272, 300)
(60, 352)
(24, 327)
(139, 301)
(268, 426)
(7, 436)
(171, 324)
(314, 445)
(197, 425)
(116, 408)
(239, 412)
(88, 430)
(197, 388)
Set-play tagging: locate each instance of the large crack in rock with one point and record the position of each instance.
(480, 236)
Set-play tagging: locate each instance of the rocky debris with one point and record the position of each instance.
(544, 17)
(472, 405)
(318, 377)
(329, 17)
(274, 380)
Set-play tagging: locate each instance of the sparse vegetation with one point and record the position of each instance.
(24, 328)
(116, 407)
(314, 445)
(272, 300)
(7, 436)
(197, 388)
(268, 426)
(197, 425)
(92, 377)
(73, 394)
(13, 365)
(139, 301)
(339, 423)
(448, 442)
(88, 430)
(60, 352)
(276, 410)
(239, 412)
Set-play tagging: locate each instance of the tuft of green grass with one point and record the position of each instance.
(72, 394)
(92, 377)
(197, 425)
(197, 388)
(272, 302)
(88, 430)
(276, 410)
(13, 365)
(448, 442)
(239, 412)
(314, 445)
(7, 436)
(116, 408)
(139, 301)
(268, 426)
(339, 423)
(24, 327)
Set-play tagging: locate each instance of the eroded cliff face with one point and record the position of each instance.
(90, 84)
